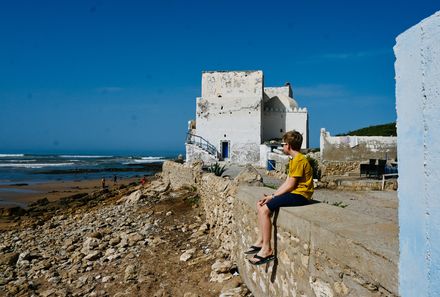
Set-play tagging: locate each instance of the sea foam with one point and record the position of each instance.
(34, 165)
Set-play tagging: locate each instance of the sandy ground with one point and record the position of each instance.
(13, 195)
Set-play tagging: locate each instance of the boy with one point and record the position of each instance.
(297, 190)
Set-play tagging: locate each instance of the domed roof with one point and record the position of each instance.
(281, 101)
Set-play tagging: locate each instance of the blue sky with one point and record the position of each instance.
(97, 76)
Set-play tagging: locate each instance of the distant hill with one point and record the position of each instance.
(378, 130)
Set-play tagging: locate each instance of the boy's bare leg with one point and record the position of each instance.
(266, 231)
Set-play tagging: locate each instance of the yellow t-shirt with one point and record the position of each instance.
(299, 168)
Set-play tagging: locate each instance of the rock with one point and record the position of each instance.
(12, 289)
(39, 202)
(94, 255)
(9, 259)
(221, 266)
(96, 235)
(130, 273)
(187, 255)
(12, 211)
(249, 176)
(235, 292)
(133, 238)
(169, 213)
(90, 244)
(219, 278)
(107, 279)
(159, 186)
(189, 294)
(160, 293)
(115, 241)
(232, 284)
(133, 198)
(47, 293)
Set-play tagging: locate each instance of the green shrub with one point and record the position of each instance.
(217, 169)
(315, 167)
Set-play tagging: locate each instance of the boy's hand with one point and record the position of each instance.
(264, 200)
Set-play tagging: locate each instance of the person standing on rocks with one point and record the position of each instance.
(103, 182)
(297, 190)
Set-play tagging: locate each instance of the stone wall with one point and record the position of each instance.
(216, 194)
(418, 105)
(337, 168)
(179, 175)
(356, 148)
(321, 250)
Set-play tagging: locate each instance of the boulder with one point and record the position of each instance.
(187, 255)
(249, 176)
(133, 198)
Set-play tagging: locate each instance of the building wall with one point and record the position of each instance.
(194, 153)
(299, 121)
(276, 123)
(275, 91)
(230, 110)
(418, 107)
(356, 148)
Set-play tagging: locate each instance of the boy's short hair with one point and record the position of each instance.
(294, 139)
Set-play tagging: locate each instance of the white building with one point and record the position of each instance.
(237, 117)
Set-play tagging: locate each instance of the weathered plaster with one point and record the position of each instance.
(236, 108)
(418, 107)
(230, 110)
(356, 148)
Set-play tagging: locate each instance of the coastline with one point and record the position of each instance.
(23, 194)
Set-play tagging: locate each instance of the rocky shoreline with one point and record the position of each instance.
(130, 241)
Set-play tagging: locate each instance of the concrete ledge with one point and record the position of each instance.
(342, 251)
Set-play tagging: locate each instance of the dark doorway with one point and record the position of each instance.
(225, 149)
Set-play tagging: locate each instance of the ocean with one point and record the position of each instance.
(42, 168)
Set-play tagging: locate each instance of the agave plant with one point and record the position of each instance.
(217, 169)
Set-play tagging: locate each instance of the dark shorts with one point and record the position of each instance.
(287, 199)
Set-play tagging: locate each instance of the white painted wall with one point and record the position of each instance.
(276, 123)
(299, 121)
(194, 153)
(418, 128)
(230, 110)
(275, 91)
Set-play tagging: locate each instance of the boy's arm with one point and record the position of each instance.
(288, 186)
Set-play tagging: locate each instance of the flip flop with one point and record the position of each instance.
(262, 260)
(253, 250)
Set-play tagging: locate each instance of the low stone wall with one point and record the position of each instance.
(338, 168)
(321, 250)
(216, 197)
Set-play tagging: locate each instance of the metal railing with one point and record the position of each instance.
(203, 144)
